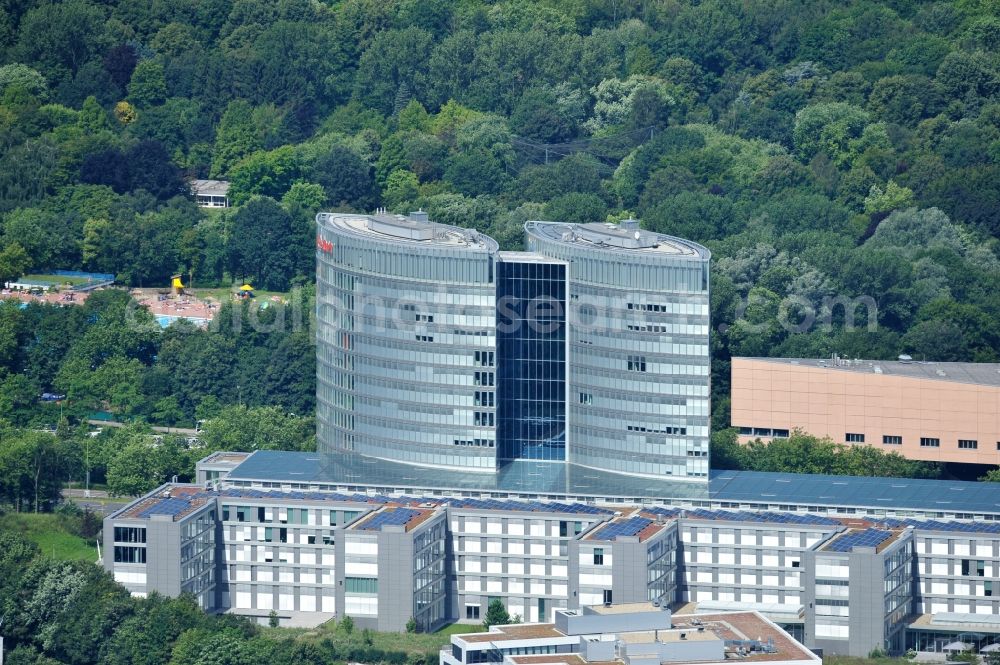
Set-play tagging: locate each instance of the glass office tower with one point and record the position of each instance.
(406, 341)
(638, 370)
(437, 351)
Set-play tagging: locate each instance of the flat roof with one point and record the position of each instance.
(846, 541)
(568, 480)
(224, 457)
(749, 625)
(957, 622)
(408, 518)
(527, 257)
(415, 229)
(636, 526)
(512, 632)
(980, 374)
(559, 659)
(742, 626)
(523, 477)
(949, 496)
(624, 608)
(614, 238)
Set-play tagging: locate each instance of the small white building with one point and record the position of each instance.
(211, 193)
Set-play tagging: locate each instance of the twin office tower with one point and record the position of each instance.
(437, 351)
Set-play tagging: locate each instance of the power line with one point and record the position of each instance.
(608, 151)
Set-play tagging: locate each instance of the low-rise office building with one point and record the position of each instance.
(630, 634)
(841, 582)
(937, 412)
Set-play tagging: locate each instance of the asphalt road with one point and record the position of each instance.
(99, 502)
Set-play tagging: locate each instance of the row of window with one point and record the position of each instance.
(764, 431)
(130, 534)
(856, 437)
(478, 443)
(925, 441)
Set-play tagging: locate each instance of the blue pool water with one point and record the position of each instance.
(166, 319)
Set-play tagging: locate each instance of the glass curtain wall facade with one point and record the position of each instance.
(638, 348)
(531, 360)
(406, 341)
(435, 349)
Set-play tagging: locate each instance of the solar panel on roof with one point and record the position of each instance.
(627, 527)
(866, 538)
(396, 517)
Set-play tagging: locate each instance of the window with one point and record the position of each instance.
(968, 444)
(586, 398)
(360, 585)
(598, 556)
(484, 398)
(988, 588)
(780, 433)
(128, 534)
(472, 611)
(130, 554)
(928, 442)
(972, 567)
(637, 363)
(854, 438)
(607, 596)
(483, 419)
(892, 440)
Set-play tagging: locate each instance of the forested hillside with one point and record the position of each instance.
(822, 150)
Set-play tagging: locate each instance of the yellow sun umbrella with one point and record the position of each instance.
(246, 287)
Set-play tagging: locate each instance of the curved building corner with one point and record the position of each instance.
(639, 368)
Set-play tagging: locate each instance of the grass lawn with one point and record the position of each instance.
(460, 628)
(55, 279)
(406, 642)
(48, 533)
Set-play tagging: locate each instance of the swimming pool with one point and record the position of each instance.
(166, 319)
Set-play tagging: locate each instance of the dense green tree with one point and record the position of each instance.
(264, 173)
(14, 260)
(266, 248)
(262, 428)
(346, 178)
(236, 137)
(142, 461)
(147, 85)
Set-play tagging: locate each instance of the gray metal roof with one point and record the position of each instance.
(984, 374)
(545, 478)
(889, 493)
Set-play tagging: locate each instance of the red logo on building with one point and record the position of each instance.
(324, 245)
